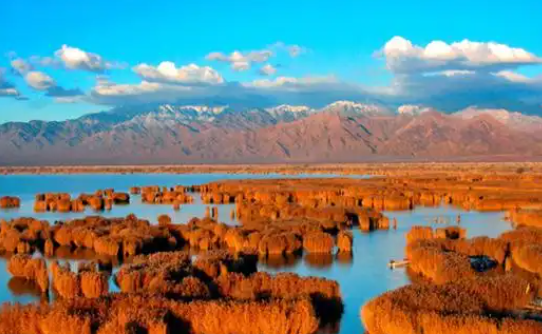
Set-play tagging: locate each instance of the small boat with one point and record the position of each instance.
(397, 264)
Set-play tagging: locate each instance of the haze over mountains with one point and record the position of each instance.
(343, 131)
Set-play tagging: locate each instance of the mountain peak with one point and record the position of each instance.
(289, 108)
(412, 110)
(351, 108)
(200, 109)
(513, 119)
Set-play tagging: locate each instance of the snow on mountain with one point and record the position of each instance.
(511, 118)
(168, 115)
(288, 108)
(356, 109)
(412, 110)
(288, 111)
(201, 109)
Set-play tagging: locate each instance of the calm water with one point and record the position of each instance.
(361, 278)
(27, 186)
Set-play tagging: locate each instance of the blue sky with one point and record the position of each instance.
(340, 47)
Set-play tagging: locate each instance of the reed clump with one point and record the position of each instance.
(143, 270)
(63, 202)
(32, 269)
(318, 242)
(465, 306)
(345, 241)
(114, 237)
(526, 217)
(455, 296)
(9, 202)
(23, 235)
(119, 313)
(173, 195)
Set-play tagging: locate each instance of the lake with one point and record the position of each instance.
(361, 277)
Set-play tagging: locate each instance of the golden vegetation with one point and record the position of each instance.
(9, 202)
(32, 269)
(62, 202)
(155, 195)
(171, 292)
(129, 313)
(451, 308)
(462, 292)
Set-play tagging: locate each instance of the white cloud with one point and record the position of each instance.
(68, 99)
(39, 80)
(9, 92)
(412, 110)
(458, 74)
(514, 77)
(451, 73)
(43, 82)
(290, 82)
(240, 66)
(76, 59)
(106, 92)
(261, 93)
(112, 89)
(21, 66)
(241, 61)
(189, 74)
(404, 57)
(268, 69)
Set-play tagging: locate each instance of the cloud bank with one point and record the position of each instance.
(39, 80)
(402, 56)
(459, 74)
(445, 75)
(77, 59)
(168, 72)
(240, 61)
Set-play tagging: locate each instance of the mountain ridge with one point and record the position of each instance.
(342, 131)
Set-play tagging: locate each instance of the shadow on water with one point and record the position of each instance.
(280, 261)
(345, 258)
(20, 286)
(319, 261)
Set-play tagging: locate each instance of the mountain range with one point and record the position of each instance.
(343, 131)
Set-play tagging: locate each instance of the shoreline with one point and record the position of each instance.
(374, 169)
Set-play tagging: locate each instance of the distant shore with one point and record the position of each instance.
(383, 169)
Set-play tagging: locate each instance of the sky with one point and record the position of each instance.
(62, 59)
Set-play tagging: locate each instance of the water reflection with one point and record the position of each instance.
(27, 186)
(21, 286)
(278, 261)
(319, 261)
(345, 258)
